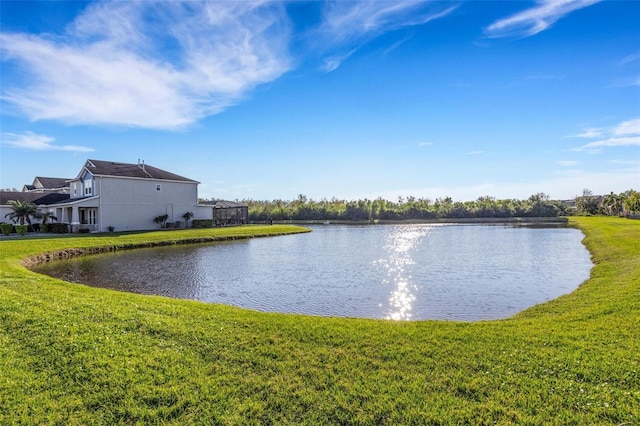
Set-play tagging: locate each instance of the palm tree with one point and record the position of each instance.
(45, 217)
(632, 202)
(22, 211)
(186, 217)
(613, 204)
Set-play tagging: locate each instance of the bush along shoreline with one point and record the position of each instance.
(72, 354)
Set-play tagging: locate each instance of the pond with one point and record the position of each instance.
(399, 272)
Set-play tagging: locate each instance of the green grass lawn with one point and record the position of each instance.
(71, 354)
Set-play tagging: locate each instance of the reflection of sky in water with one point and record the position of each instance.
(399, 272)
(400, 247)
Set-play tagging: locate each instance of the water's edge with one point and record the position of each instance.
(35, 260)
(244, 274)
(514, 221)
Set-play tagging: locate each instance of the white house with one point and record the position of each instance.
(126, 197)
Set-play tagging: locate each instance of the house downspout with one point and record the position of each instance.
(101, 226)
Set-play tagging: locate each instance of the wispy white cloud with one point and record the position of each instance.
(629, 127)
(589, 133)
(116, 66)
(629, 63)
(475, 153)
(626, 133)
(536, 19)
(568, 163)
(630, 59)
(164, 65)
(626, 82)
(332, 63)
(345, 20)
(33, 141)
(635, 163)
(425, 144)
(394, 46)
(348, 25)
(597, 146)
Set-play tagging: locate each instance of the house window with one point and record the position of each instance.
(158, 187)
(88, 187)
(75, 188)
(88, 216)
(91, 216)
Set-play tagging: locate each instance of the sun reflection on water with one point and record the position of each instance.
(400, 247)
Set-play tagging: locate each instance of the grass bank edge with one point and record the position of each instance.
(32, 250)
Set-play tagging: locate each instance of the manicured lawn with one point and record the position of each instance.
(71, 354)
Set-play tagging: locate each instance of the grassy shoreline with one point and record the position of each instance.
(116, 242)
(71, 354)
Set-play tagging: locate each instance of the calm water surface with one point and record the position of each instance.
(404, 272)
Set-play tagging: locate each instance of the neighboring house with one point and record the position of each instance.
(125, 196)
(48, 184)
(42, 200)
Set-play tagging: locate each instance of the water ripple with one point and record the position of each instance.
(399, 272)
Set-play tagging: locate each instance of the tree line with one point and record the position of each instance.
(407, 208)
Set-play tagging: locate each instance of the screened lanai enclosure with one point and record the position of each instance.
(227, 213)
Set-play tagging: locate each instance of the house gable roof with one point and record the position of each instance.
(50, 182)
(139, 171)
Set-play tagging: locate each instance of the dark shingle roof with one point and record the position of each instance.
(222, 204)
(53, 198)
(37, 198)
(52, 182)
(145, 171)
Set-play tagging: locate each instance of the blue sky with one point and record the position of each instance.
(268, 100)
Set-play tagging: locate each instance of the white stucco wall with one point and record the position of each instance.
(132, 204)
(5, 210)
(202, 212)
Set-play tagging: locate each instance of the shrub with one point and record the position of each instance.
(111, 228)
(6, 228)
(44, 227)
(60, 228)
(202, 223)
(161, 220)
(84, 230)
(187, 217)
(22, 229)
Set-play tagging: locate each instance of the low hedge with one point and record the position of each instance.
(202, 223)
(60, 228)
